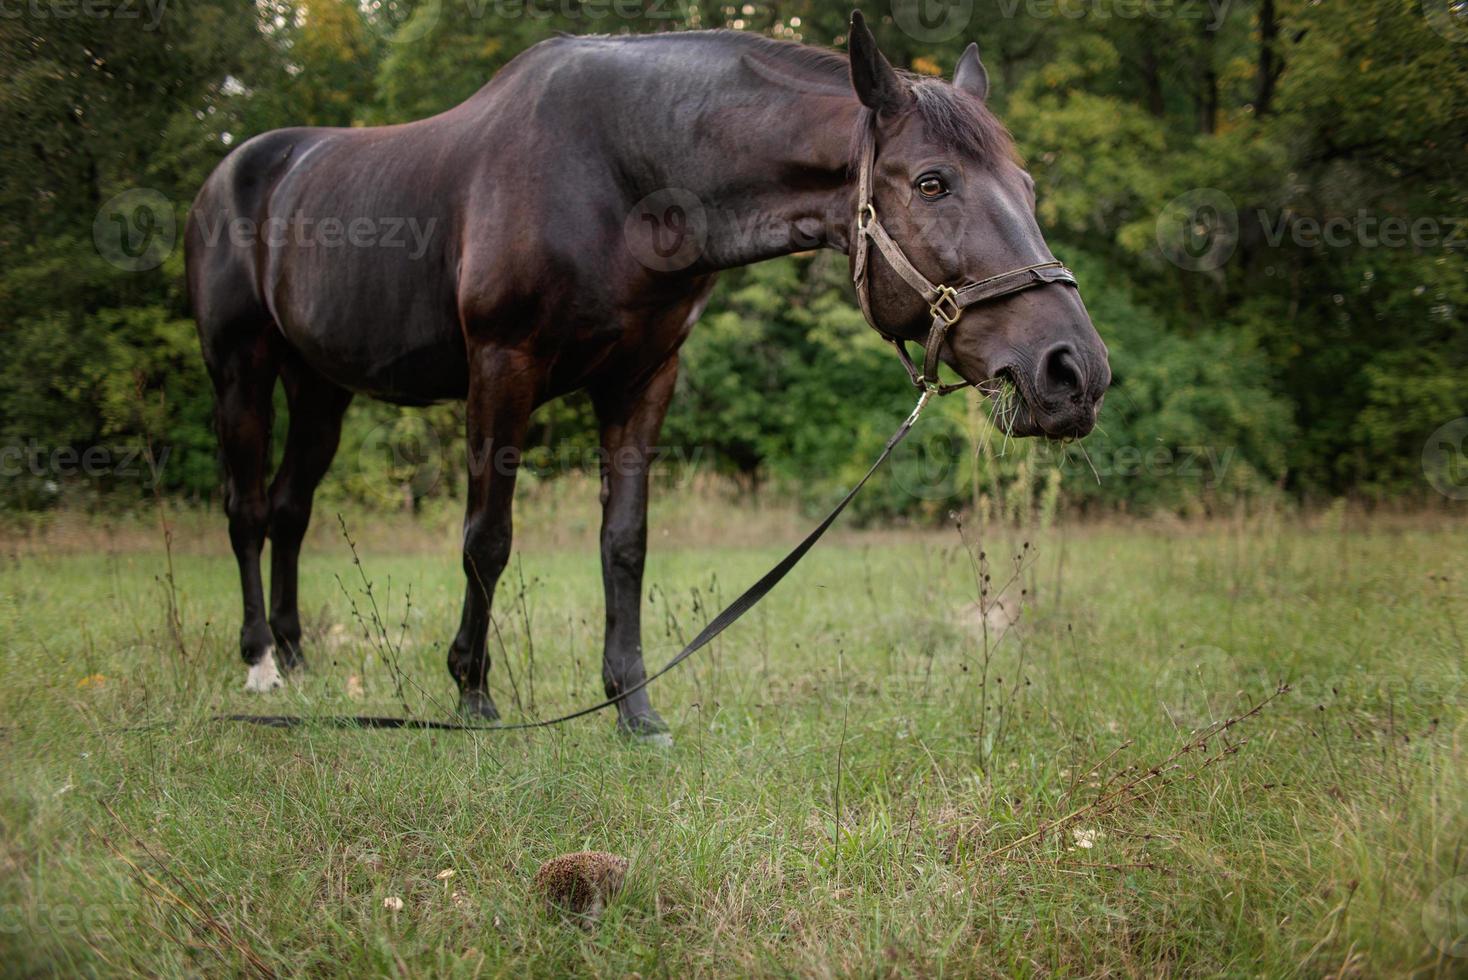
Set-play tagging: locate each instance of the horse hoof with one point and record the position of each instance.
(649, 729)
(290, 661)
(477, 706)
(263, 675)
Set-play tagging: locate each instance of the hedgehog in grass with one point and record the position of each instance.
(581, 884)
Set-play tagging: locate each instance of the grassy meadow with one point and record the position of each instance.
(867, 780)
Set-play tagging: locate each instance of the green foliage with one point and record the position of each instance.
(787, 382)
(1190, 420)
(1319, 368)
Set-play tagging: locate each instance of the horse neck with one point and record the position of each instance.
(782, 182)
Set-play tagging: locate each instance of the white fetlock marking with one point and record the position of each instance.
(263, 676)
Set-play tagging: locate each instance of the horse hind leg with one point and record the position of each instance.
(316, 408)
(243, 369)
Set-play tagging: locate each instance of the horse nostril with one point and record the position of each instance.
(1061, 374)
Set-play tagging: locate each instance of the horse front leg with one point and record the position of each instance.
(630, 423)
(502, 394)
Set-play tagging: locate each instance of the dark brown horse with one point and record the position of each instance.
(561, 230)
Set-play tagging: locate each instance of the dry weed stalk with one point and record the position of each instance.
(1148, 781)
(374, 626)
(191, 901)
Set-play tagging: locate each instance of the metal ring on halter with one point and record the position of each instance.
(949, 295)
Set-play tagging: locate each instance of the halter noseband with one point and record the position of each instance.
(946, 303)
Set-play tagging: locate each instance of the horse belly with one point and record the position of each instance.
(396, 360)
(377, 320)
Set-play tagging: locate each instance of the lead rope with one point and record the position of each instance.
(717, 625)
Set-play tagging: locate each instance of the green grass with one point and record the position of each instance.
(852, 790)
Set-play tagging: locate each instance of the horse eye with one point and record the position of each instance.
(931, 186)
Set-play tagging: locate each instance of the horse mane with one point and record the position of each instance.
(950, 116)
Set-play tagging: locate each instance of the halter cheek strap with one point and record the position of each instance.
(945, 303)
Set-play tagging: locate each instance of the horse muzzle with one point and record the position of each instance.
(1057, 395)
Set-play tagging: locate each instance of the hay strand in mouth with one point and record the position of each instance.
(1081, 445)
(1004, 401)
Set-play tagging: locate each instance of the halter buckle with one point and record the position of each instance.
(865, 215)
(949, 295)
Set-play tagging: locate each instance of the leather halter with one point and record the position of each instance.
(945, 303)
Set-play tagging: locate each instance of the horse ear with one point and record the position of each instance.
(970, 74)
(876, 83)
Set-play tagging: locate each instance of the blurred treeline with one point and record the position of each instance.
(1297, 368)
